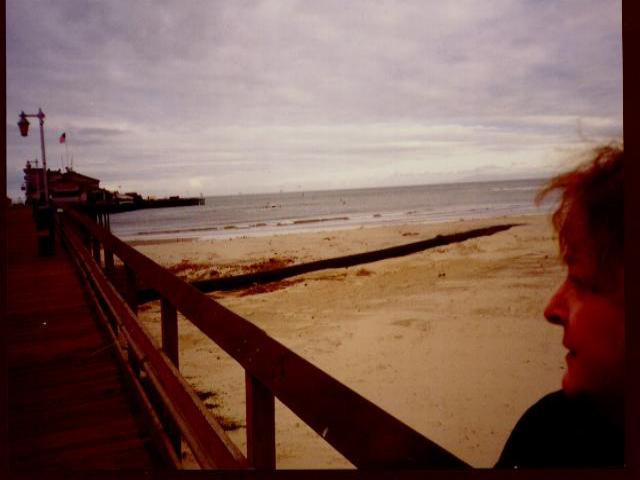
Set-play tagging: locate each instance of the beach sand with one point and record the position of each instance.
(451, 341)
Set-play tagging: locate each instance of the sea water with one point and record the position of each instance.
(287, 212)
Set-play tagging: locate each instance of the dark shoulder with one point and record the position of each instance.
(561, 432)
(543, 414)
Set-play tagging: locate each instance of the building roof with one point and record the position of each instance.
(71, 174)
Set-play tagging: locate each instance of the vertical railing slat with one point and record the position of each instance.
(169, 333)
(131, 297)
(86, 238)
(169, 323)
(108, 264)
(261, 431)
(131, 289)
(95, 247)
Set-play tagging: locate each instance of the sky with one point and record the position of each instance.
(225, 97)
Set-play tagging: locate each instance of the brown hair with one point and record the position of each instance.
(592, 194)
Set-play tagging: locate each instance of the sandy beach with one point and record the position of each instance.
(451, 341)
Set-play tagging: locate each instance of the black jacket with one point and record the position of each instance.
(559, 432)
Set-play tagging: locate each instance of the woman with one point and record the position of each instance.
(582, 425)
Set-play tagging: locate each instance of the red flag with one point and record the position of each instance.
(63, 137)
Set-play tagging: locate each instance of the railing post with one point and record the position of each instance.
(108, 263)
(86, 237)
(261, 425)
(58, 224)
(169, 324)
(131, 289)
(95, 246)
(169, 332)
(134, 361)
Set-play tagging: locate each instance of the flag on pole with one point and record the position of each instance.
(63, 137)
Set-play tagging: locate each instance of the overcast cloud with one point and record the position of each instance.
(220, 97)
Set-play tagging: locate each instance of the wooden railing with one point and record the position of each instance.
(362, 432)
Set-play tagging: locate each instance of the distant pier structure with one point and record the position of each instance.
(69, 187)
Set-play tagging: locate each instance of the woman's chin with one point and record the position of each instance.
(570, 386)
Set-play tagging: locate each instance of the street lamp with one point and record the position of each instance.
(23, 124)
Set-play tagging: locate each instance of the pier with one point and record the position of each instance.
(90, 389)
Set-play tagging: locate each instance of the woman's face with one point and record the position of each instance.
(591, 311)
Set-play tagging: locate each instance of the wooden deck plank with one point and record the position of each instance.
(95, 432)
(108, 457)
(68, 403)
(66, 416)
(74, 373)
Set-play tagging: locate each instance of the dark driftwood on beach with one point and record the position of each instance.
(249, 279)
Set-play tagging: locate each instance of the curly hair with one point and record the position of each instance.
(592, 194)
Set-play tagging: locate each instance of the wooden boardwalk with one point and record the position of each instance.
(68, 403)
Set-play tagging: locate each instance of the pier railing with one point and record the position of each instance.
(362, 432)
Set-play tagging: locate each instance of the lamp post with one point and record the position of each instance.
(23, 124)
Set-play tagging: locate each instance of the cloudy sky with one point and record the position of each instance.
(221, 97)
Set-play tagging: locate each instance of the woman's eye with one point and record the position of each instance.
(582, 283)
(575, 282)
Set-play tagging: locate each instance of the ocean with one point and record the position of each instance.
(287, 212)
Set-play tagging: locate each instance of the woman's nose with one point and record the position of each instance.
(555, 311)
